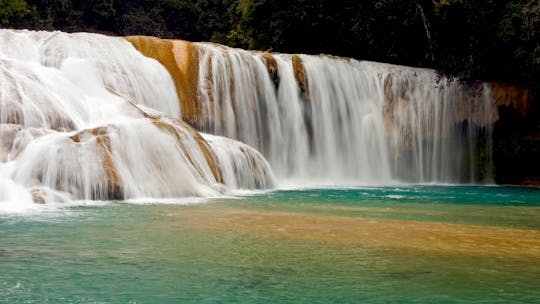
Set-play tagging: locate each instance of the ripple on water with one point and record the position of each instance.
(284, 246)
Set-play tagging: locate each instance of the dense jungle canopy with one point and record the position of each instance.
(475, 39)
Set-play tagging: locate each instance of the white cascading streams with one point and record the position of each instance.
(243, 166)
(354, 122)
(120, 66)
(81, 118)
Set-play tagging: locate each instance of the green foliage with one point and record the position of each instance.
(492, 40)
(11, 10)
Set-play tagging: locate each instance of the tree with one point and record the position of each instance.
(12, 11)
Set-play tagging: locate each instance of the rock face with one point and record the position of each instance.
(300, 76)
(181, 59)
(272, 67)
(511, 96)
(516, 136)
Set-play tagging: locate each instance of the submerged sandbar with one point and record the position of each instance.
(468, 239)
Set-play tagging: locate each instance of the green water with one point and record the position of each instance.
(128, 253)
(480, 205)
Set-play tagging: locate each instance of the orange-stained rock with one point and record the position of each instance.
(272, 67)
(470, 100)
(171, 128)
(181, 59)
(115, 189)
(174, 127)
(501, 95)
(300, 76)
(511, 96)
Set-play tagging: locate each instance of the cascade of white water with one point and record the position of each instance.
(81, 118)
(438, 128)
(87, 124)
(321, 119)
(119, 65)
(241, 165)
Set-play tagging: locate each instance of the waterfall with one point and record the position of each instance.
(118, 64)
(87, 117)
(321, 119)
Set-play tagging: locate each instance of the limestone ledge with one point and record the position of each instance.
(181, 59)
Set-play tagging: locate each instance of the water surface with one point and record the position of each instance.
(423, 244)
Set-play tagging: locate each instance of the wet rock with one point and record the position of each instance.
(272, 67)
(181, 59)
(175, 127)
(38, 196)
(300, 76)
(114, 187)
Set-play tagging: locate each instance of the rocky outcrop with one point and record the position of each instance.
(511, 96)
(178, 129)
(38, 196)
(175, 128)
(113, 182)
(272, 67)
(14, 138)
(242, 166)
(476, 103)
(300, 76)
(181, 59)
(516, 136)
